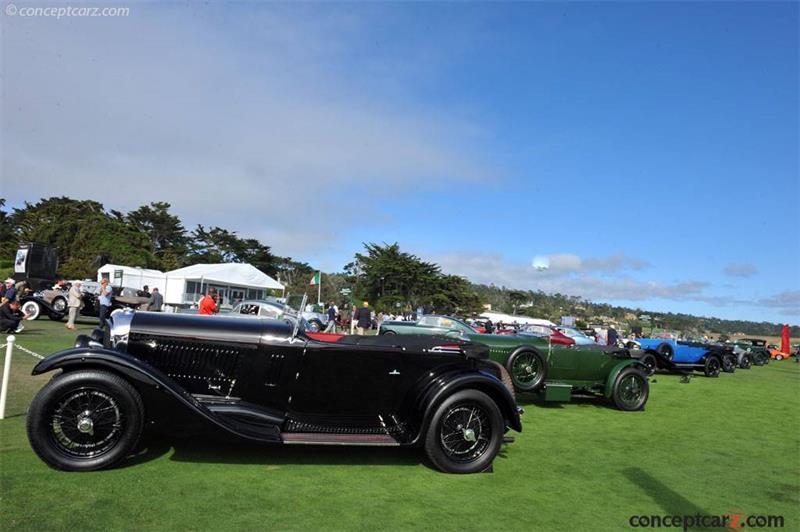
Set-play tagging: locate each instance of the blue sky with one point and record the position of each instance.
(649, 149)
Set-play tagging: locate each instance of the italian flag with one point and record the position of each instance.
(314, 280)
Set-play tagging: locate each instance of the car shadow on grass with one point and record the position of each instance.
(670, 501)
(529, 399)
(215, 451)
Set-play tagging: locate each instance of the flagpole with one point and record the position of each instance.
(319, 288)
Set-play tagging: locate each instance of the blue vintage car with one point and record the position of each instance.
(673, 355)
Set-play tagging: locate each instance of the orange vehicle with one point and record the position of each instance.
(775, 353)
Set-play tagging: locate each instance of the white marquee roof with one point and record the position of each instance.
(229, 273)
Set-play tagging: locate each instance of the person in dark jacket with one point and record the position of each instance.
(613, 336)
(331, 327)
(156, 301)
(11, 316)
(363, 319)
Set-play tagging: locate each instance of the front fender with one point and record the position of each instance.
(46, 307)
(441, 386)
(617, 370)
(161, 394)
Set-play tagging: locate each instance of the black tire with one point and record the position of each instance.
(665, 350)
(465, 433)
(315, 325)
(713, 366)
(649, 360)
(65, 438)
(779, 357)
(32, 309)
(387, 333)
(55, 316)
(631, 390)
(728, 363)
(746, 362)
(528, 369)
(59, 304)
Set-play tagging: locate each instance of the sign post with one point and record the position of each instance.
(6, 372)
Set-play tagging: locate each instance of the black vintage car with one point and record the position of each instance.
(269, 381)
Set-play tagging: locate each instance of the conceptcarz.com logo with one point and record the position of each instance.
(58, 12)
(725, 521)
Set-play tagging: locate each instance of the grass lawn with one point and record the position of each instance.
(711, 446)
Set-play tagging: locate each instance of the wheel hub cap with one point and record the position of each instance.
(469, 435)
(85, 424)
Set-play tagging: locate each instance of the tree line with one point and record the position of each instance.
(88, 236)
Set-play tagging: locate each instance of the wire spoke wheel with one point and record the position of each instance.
(465, 432)
(86, 423)
(631, 389)
(526, 368)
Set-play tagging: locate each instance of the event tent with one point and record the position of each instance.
(130, 277)
(509, 318)
(233, 281)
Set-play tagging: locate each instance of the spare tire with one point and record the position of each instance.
(665, 350)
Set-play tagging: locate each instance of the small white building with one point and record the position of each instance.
(233, 282)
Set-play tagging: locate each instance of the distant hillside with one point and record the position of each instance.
(553, 306)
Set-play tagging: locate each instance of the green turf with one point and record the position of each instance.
(712, 446)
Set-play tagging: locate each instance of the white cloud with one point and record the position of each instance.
(227, 128)
(598, 278)
(787, 302)
(740, 269)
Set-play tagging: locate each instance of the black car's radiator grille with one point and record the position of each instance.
(189, 359)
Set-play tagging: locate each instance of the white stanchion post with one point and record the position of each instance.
(6, 372)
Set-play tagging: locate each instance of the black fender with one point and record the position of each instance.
(46, 307)
(160, 393)
(437, 387)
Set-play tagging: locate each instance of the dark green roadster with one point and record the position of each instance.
(536, 364)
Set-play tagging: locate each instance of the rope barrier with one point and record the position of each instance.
(9, 347)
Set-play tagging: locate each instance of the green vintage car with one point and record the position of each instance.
(757, 349)
(537, 365)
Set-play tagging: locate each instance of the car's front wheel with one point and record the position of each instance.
(85, 420)
(527, 369)
(713, 366)
(31, 309)
(465, 433)
(779, 358)
(315, 325)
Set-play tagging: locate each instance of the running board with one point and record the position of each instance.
(316, 438)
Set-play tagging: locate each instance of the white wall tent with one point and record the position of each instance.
(509, 318)
(130, 277)
(234, 282)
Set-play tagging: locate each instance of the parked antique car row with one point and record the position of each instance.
(437, 384)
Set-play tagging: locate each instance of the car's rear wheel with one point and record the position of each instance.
(465, 433)
(631, 390)
(387, 333)
(59, 304)
(779, 357)
(85, 420)
(728, 363)
(649, 360)
(746, 362)
(527, 369)
(713, 366)
(31, 309)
